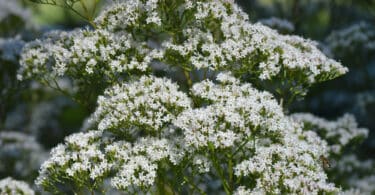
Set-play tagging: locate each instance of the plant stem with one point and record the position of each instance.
(188, 79)
(195, 187)
(230, 170)
(220, 172)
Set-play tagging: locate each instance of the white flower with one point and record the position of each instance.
(20, 154)
(148, 104)
(80, 158)
(9, 186)
(338, 133)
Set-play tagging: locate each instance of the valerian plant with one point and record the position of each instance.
(221, 128)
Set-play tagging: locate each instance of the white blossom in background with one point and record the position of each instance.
(79, 160)
(362, 103)
(349, 40)
(10, 49)
(9, 186)
(20, 154)
(148, 104)
(351, 192)
(14, 9)
(282, 25)
(349, 163)
(338, 133)
(357, 174)
(363, 184)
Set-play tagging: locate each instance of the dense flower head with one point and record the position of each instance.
(9, 186)
(291, 167)
(338, 134)
(149, 104)
(237, 112)
(215, 35)
(275, 151)
(79, 161)
(84, 53)
(138, 163)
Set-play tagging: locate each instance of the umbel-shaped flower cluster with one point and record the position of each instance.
(234, 133)
(137, 36)
(219, 129)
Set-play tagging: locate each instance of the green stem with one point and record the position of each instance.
(85, 9)
(242, 145)
(219, 171)
(188, 79)
(230, 170)
(160, 182)
(195, 187)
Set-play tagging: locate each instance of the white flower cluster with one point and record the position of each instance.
(291, 167)
(20, 154)
(202, 163)
(130, 15)
(281, 25)
(9, 186)
(84, 52)
(349, 40)
(79, 161)
(285, 159)
(215, 35)
(237, 45)
(145, 105)
(338, 133)
(148, 128)
(138, 163)
(235, 117)
(237, 112)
